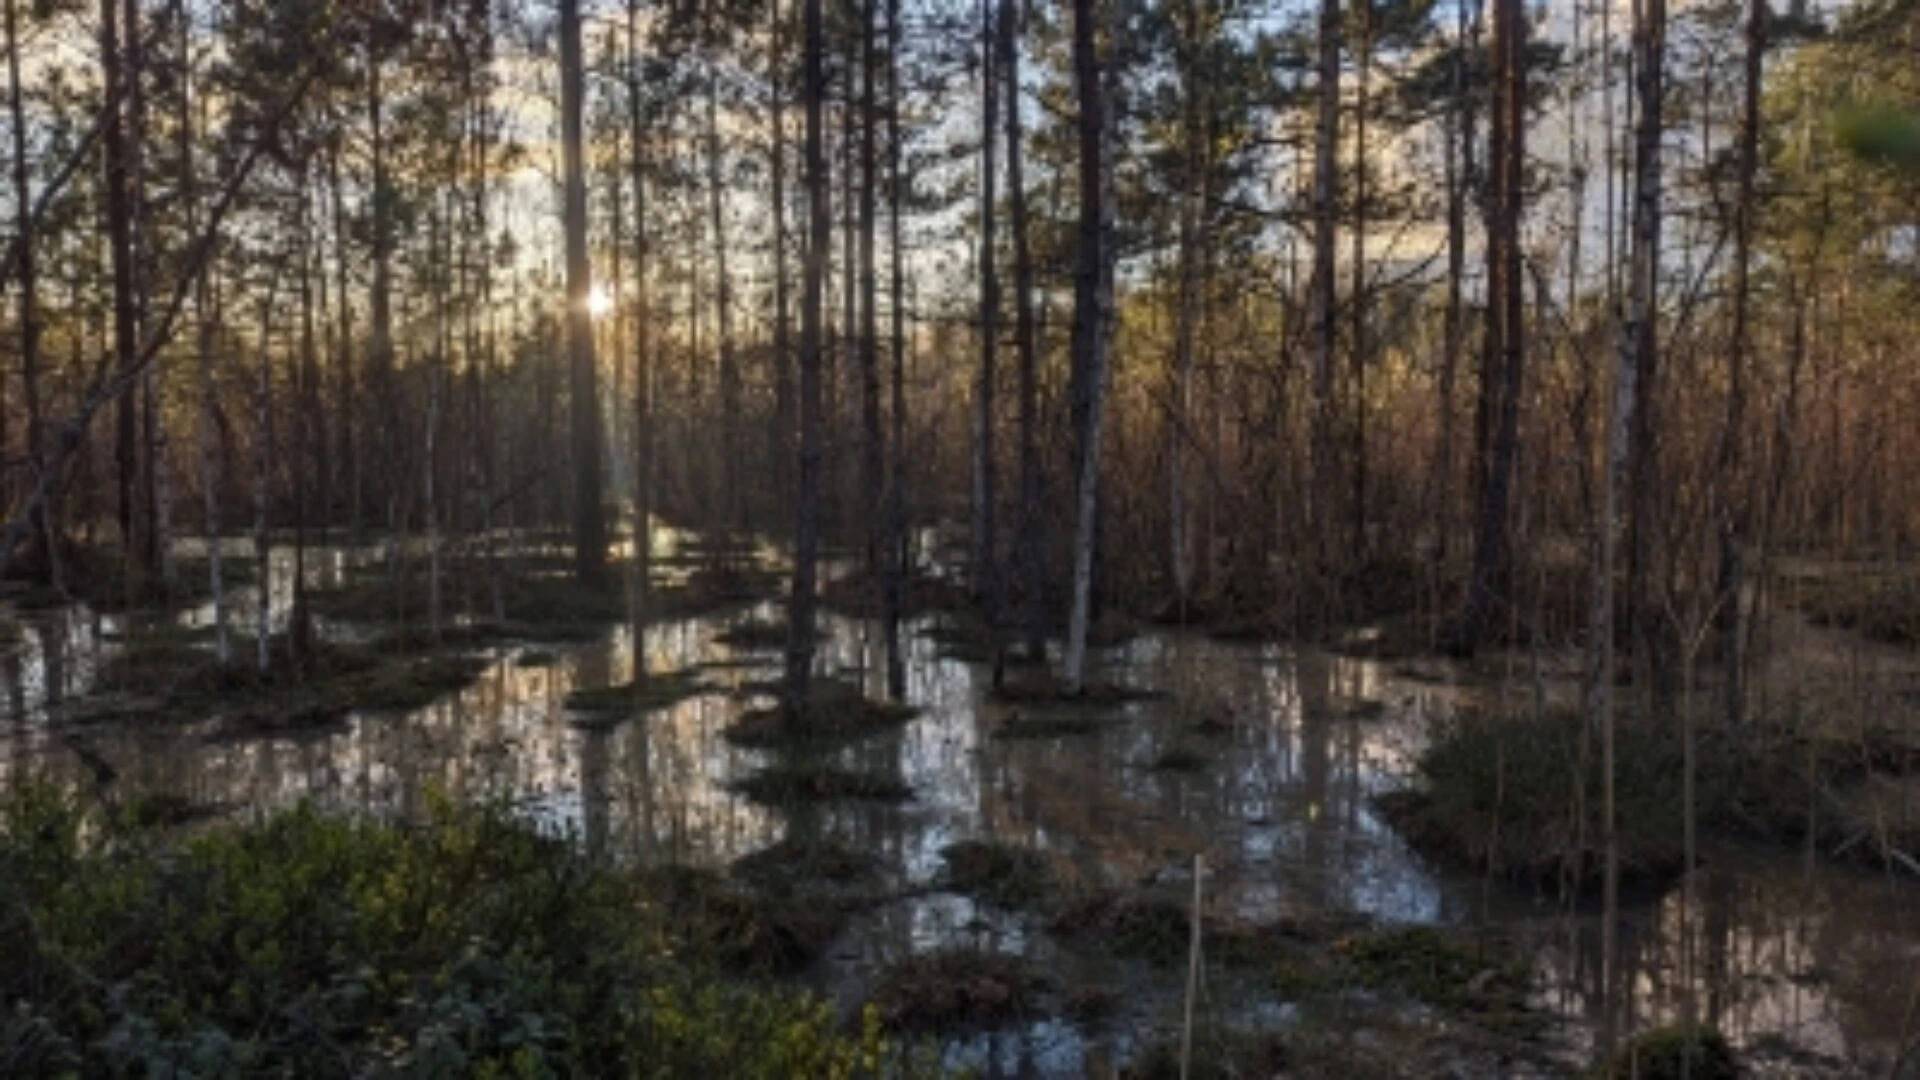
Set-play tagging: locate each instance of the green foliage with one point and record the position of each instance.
(1504, 793)
(1673, 1052)
(1006, 875)
(304, 944)
(956, 989)
(1881, 133)
(818, 781)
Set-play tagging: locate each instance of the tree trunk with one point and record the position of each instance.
(1031, 542)
(1358, 309)
(1193, 80)
(896, 553)
(120, 253)
(733, 497)
(1651, 667)
(985, 529)
(1635, 347)
(589, 516)
(640, 603)
(1735, 496)
(1326, 196)
(29, 295)
(1093, 319)
(872, 440)
(1503, 356)
(781, 448)
(806, 540)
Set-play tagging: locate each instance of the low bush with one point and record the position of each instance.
(305, 944)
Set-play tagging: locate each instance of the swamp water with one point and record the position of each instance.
(1809, 968)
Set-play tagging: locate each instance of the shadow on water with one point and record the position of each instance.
(1808, 966)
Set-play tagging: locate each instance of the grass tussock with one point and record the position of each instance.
(835, 712)
(305, 945)
(181, 683)
(789, 783)
(956, 990)
(1005, 875)
(1880, 603)
(791, 866)
(1520, 796)
(1674, 1052)
(1055, 723)
(608, 705)
(1179, 758)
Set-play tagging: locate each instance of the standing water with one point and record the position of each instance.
(1281, 753)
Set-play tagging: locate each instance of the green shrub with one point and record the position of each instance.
(306, 944)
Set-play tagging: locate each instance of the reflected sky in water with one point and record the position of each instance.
(1819, 959)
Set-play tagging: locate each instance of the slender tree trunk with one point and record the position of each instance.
(262, 472)
(896, 554)
(735, 505)
(985, 574)
(1326, 196)
(1635, 348)
(120, 253)
(641, 601)
(1731, 469)
(1193, 80)
(806, 542)
(1031, 542)
(781, 453)
(1459, 150)
(1652, 669)
(28, 295)
(1502, 365)
(1093, 318)
(589, 515)
(380, 374)
(1359, 310)
(873, 439)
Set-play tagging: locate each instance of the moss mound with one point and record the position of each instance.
(1673, 1052)
(1005, 875)
(835, 712)
(1179, 759)
(956, 989)
(605, 706)
(788, 783)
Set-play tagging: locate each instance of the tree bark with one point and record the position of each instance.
(1326, 196)
(896, 553)
(589, 515)
(1503, 356)
(1031, 542)
(1735, 494)
(1093, 318)
(806, 542)
(873, 440)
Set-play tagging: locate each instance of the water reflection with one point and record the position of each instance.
(1296, 745)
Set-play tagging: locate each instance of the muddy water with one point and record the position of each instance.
(1810, 967)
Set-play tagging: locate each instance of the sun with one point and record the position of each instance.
(599, 302)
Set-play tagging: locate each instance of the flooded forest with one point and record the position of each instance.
(923, 538)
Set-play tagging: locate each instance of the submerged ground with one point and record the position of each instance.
(1264, 761)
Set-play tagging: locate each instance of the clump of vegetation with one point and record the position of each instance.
(604, 706)
(1501, 793)
(1426, 965)
(1216, 1056)
(859, 595)
(835, 712)
(742, 929)
(956, 989)
(1670, 1053)
(1005, 875)
(1042, 690)
(536, 658)
(1179, 758)
(793, 865)
(1053, 723)
(756, 635)
(1151, 928)
(183, 682)
(1881, 604)
(306, 944)
(820, 781)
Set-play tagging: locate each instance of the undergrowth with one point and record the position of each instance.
(306, 944)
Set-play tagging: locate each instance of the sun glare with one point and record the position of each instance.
(599, 302)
